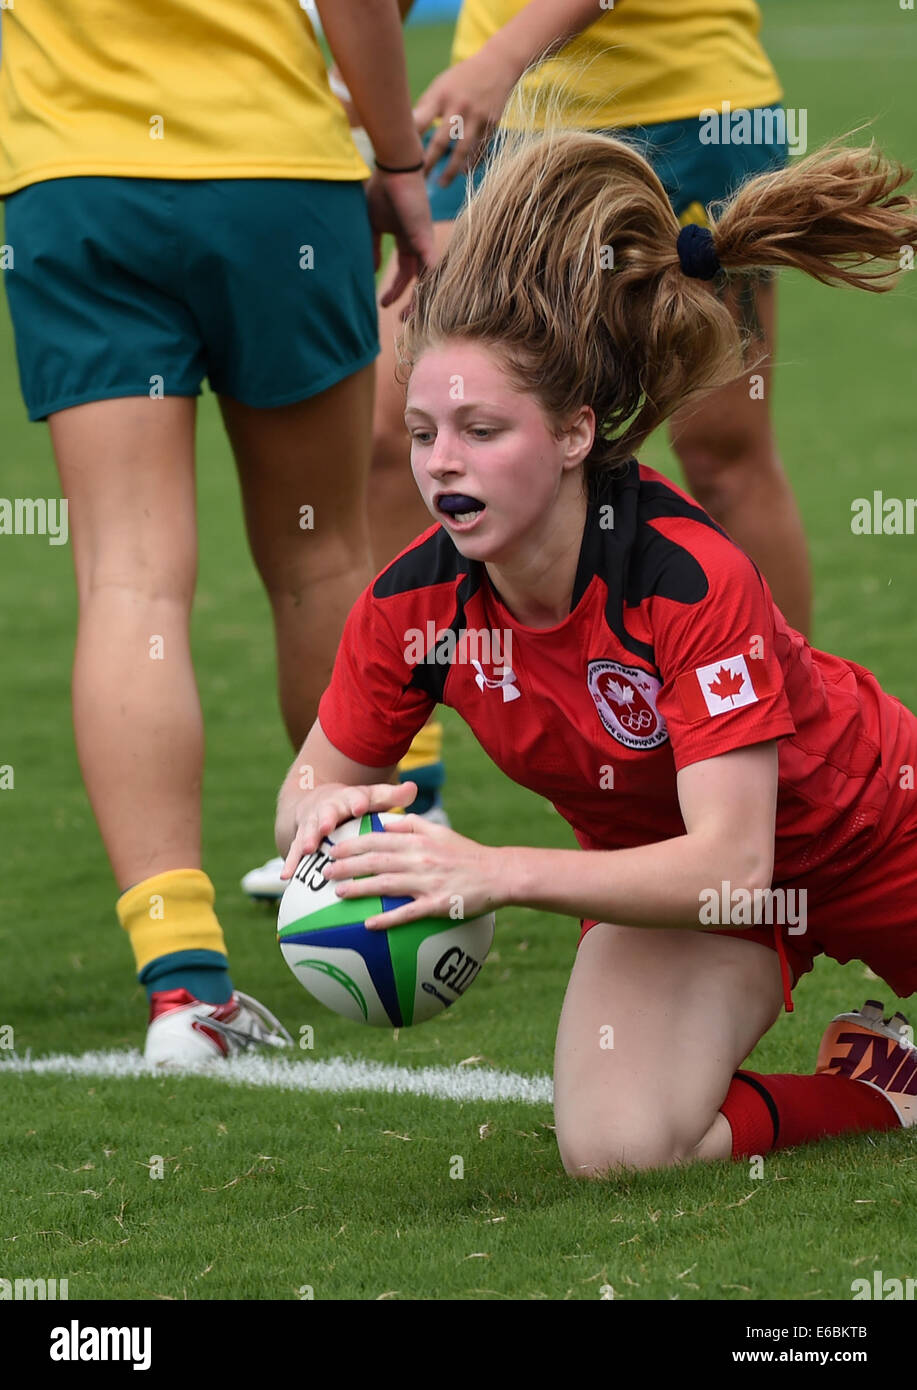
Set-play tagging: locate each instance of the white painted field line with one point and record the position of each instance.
(338, 1074)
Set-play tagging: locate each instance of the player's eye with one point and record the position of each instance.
(484, 431)
(417, 435)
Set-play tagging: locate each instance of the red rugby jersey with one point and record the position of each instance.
(673, 652)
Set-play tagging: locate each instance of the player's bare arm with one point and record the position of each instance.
(658, 885)
(728, 805)
(376, 77)
(375, 73)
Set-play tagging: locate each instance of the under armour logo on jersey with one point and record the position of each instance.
(505, 683)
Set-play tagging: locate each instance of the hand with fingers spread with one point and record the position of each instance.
(444, 873)
(475, 92)
(331, 805)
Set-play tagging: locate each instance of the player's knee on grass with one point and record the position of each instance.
(641, 1139)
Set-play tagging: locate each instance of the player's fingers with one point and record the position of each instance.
(334, 812)
(408, 268)
(292, 859)
(408, 309)
(438, 146)
(357, 802)
(369, 885)
(388, 297)
(351, 804)
(303, 844)
(362, 846)
(426, 107)
(352, 849)
(388, 794)
(398, 916)
(407, 825)
(394, 291)
(463, 157)
(346, 886)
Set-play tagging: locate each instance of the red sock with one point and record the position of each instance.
(779, 1112)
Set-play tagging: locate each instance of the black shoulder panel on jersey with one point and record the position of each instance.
(434, 561)
(430, 675)
(659, 566)
(657, 499)
(634, 559)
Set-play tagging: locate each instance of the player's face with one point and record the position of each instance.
(483, 453)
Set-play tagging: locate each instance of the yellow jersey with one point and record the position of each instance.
(644, 61)
(176, 89)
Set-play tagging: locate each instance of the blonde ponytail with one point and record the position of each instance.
(565, 265)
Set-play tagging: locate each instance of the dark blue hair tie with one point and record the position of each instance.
(696, 253)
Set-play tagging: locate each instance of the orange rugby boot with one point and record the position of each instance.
(878, 1051)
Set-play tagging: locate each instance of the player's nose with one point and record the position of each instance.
(444, 459)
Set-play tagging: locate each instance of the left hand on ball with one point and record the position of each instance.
(446, 874)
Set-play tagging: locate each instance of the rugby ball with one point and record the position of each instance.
(392, 978)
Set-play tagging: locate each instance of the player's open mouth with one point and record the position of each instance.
(459, 508)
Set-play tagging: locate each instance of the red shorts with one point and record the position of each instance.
(869, 915)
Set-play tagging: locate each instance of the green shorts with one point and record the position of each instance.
(692, 173)
(133, 287)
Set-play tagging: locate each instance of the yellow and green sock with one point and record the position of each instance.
(175, 935)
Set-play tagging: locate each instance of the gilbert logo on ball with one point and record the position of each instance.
(387, 978)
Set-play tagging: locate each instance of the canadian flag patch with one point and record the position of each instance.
(722, 686)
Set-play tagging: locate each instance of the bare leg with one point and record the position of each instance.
(395, 507)
(729, 455)
(685, 1009)
(127, 468)
(314, 563)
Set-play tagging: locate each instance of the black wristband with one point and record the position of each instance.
(414, 169)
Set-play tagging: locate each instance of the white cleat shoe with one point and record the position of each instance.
(264, 884)
(184, 1031)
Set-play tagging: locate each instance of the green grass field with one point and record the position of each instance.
(267, 1192)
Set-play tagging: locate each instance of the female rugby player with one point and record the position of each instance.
(745, 764)
(184, 199)
(646, 70)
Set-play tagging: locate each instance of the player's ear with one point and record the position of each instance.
(578, 436)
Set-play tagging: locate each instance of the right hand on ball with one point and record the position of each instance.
(327, 807)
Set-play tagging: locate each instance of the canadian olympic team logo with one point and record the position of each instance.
(625, 698)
